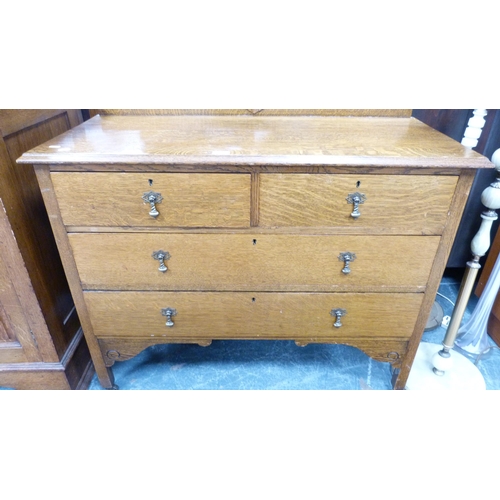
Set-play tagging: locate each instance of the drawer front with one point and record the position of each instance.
(252, 262)
(403, 204)
(218, 315)
(188, 200)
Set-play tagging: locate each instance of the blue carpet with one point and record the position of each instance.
(251, 365)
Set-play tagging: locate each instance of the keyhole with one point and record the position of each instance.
(255, 242)
(253, 299)
(358, 184)
(150, 182)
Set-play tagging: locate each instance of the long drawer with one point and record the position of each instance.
(121, 199)
(401, 204)
(118, 261)
(218, 315)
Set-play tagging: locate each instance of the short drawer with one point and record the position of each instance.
(121, 199)
(142, 261)
(248, 315)
(402, 204)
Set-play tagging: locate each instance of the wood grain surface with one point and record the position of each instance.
(13, 121)
(253, 262)
(43, 349)
(106, 377)
(7, 293)
(255, 140)
(20, 131)
(260, 112)
(388, 350)
(407, 204)
(456, 210)
(14, 326)
(20, 313)
(254, 218)
(189, 200)
(244, 315)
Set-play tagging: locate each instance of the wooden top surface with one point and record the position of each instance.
(261, 112)
(254, 140)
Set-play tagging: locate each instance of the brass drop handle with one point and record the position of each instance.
(356, 199)
(169, 313)
(338, 313)
(152, 198)
(347, 258)
(161, 256)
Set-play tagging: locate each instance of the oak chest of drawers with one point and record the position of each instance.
(195, 228)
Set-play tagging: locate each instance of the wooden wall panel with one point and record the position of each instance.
(39, 325)
(27, 215)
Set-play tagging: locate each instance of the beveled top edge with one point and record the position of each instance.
(254, 140)
(291, 161)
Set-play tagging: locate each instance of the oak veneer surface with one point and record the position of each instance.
(251, 140)
(269, 267)
(193, 200)
(400, 204)
(260, 112)
(272, 262)
(253, 315)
